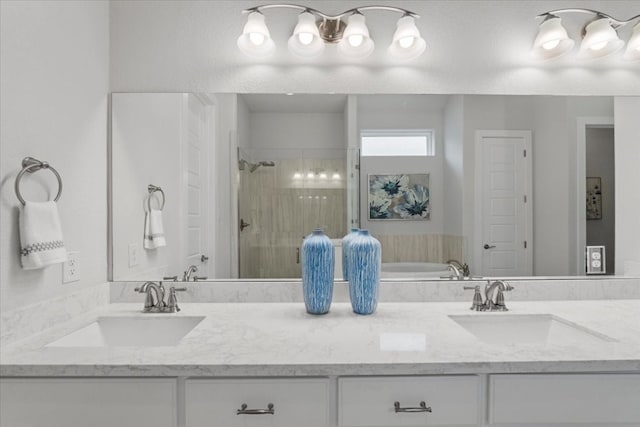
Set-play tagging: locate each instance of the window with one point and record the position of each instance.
(403, 142)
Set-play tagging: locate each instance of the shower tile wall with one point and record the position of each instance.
(438, 248)
(283, 205)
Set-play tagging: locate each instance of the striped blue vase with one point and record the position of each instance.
(345, 249)
(317, 272)
(364, 258)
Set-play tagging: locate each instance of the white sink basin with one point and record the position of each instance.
(501, 328)
(141, 331)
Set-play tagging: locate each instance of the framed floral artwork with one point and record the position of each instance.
(399, 197)
(594, 198)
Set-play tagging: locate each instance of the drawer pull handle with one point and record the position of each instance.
(422, 408)
(244, 411)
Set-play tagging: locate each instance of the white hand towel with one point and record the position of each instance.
(153, 230)
(41, 241)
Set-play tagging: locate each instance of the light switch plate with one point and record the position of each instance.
(595, 260)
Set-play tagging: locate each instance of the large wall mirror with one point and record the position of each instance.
(514, 186)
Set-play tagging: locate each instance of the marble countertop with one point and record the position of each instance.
(281, 339)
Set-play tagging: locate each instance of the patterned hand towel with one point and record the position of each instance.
(41, 242)
(153, 230)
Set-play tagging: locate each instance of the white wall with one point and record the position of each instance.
(600, 163)
(476, 47)
(296, 131)
(225, 175)
(627, 159)
(453, 165)
(54, 59)
(554, 124)
(147, 148)
(380, 112)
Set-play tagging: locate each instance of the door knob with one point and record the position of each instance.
(204, 259)
(243, 224)
(487, 246)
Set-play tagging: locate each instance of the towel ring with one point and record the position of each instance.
(30, 165)
(152, 189)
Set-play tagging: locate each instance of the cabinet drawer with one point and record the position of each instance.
(579, 399)
(296, 402)
(454, 401)
(96, 402)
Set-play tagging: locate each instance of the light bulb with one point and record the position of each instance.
(310, 175)
(356, 42)
(552, 40)
(305, 41)
(305, 38)
(600, 39)
(406, 42)
(336, 176)
(256, 38)
(323, 176)
(598, 46)
(297, 175)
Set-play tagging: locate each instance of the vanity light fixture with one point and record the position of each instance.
(599, 36)
(315, 29)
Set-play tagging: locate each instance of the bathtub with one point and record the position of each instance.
(413, 270)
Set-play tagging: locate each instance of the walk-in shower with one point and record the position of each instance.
(242, 164)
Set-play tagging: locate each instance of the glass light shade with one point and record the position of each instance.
(256, 39)
(407, 43)
(600, 40)
(306, 41)
(356, 42)
(633, 47)
(552, 40)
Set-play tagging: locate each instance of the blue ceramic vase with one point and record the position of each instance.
(317, 272)
(364, 258)
(346, 240)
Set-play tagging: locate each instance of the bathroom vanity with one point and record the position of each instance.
(543, 363)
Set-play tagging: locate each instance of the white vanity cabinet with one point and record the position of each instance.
(550, 400)
(296, 402)
(453, 400)
(95, 402)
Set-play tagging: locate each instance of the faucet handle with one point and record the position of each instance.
(172, 301)
(477, 304)
(500, 305)
(173, 278)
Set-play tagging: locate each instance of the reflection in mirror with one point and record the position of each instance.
(499, 182)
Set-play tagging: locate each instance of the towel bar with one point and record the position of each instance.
(30, 165)
(152, 189)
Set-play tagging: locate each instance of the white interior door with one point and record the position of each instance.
(198, 239)
(503, 203)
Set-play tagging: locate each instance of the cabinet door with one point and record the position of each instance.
(95, 402)
(454, 401)
(296, 402)
(567, 400)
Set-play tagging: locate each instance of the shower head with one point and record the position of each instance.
(255, 166)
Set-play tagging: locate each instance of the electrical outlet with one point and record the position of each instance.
(133, 254)
(71, 268)
(595, 257)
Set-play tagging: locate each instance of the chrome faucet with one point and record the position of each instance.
(187, 274)
(489, 304)
(460, 270)
(158, 305)
(499, 304)
(457, 273)
(149, 303)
